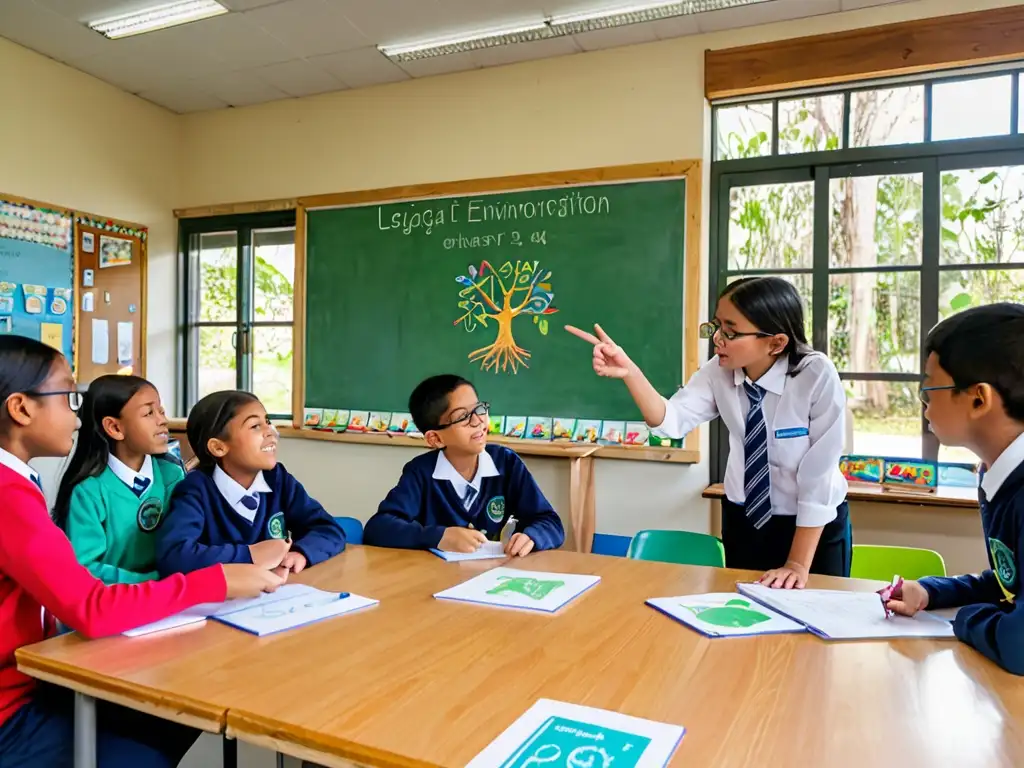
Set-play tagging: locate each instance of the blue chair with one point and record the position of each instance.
(353, 529)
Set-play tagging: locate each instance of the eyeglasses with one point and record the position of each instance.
(923, 392)
(74, 398)
(480, 409)
(708, 331)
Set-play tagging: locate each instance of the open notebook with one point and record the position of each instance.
(838, 615)
(491, 550)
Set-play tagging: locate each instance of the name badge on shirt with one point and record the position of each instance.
(784, 434)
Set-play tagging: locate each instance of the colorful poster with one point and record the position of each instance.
(115, 252)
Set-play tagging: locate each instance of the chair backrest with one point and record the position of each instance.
(353, 529)
(682, 547)
(881, 563)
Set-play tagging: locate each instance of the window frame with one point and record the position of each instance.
(929, 158)
(243, 226)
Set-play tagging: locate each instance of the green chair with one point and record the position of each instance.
(682, 547)
(881, 563)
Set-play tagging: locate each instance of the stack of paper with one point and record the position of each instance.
(724, 615)
(511, 588)
(489, 551)
(837, 615)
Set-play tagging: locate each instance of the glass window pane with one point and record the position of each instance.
(1020, 112)
(961, 289)
(876, 220)
(743, 131)
(983, 216)
(804, 286)
(811, 124)
(962, 109)
(771, 226)
(216, 359)
(272, 368)
(217, 290)
(874, 322)
(957, 455)
(887, 116)
(273, 274)
(886, 418)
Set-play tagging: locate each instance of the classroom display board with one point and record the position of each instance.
(37, 274)
(482, 284)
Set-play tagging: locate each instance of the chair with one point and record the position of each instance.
(682, 547)
(881, 563)
(353, 529)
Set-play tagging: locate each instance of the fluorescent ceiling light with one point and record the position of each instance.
(559, 26)
(157, 17)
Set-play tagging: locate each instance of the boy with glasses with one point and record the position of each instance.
(464, 492)
(973, 391)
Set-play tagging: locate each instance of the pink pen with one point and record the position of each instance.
(886, 594)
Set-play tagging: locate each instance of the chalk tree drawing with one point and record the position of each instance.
(502, 295)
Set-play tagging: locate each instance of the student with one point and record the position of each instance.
(239, 505)
(973, 391)
(785, 510)
(116, 489)
(463, 492)
(41, 580)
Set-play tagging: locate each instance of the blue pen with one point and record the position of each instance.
(343, 595)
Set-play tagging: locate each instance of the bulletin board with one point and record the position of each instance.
(37, 272)
(110, 280)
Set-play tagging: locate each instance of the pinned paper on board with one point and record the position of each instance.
(88, 242)
(52, 335)
(88, 302)
(125, 353)
(60, 301)
(35, 299)
(5, 323)
(100, 342)
(554, 734)
(115, 252)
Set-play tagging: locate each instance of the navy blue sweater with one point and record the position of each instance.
(992, 621)
(418, 509)
(202, 528)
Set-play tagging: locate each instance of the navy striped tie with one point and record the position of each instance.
(757, 483)
(140, 485)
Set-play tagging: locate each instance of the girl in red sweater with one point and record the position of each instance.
(41, 581)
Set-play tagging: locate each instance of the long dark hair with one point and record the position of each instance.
(24, 365)
(106, 397)
(773, 306)
(209, 420)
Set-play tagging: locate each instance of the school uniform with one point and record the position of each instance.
(113, 518)
(786, 436)
(991, 620)
(40, 581)
(213, 519)
(431, 495)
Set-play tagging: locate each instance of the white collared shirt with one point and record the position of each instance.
(805, 417)
(443, 470)
(233, 493)
(1003, 467)
(127, 475)
(12, 462)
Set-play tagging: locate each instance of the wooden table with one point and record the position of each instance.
(421, 682)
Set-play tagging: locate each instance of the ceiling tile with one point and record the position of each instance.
(94, 10)
(309, 27)
(666, 29)
(397, 21)
(239, 89)
(246, 5)
(469, 16)
(361, 67)
(299, 78)
(631, 34)
(440, 65)
(47, 32)
(186, 97)
(230, 39)
(573, 7)
(853, 5)
(539, 49)
(764, 13)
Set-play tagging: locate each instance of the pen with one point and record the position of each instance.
(886, 594)
(343, 595)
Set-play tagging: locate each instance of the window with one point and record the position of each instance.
(890, 207)
(238, 274)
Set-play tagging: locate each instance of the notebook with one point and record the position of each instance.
(838, 615)
(269, 617)
(724, 615)
(490, 550)
(512, 588)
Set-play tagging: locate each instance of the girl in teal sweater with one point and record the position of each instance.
(118, 483)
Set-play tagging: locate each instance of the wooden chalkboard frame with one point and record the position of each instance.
(690, 170)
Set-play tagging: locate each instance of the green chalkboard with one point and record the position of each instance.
(481, 285)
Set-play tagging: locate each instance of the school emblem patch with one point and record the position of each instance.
(275, 526)
(151, 513)
(496, 509)
(1005, 567)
